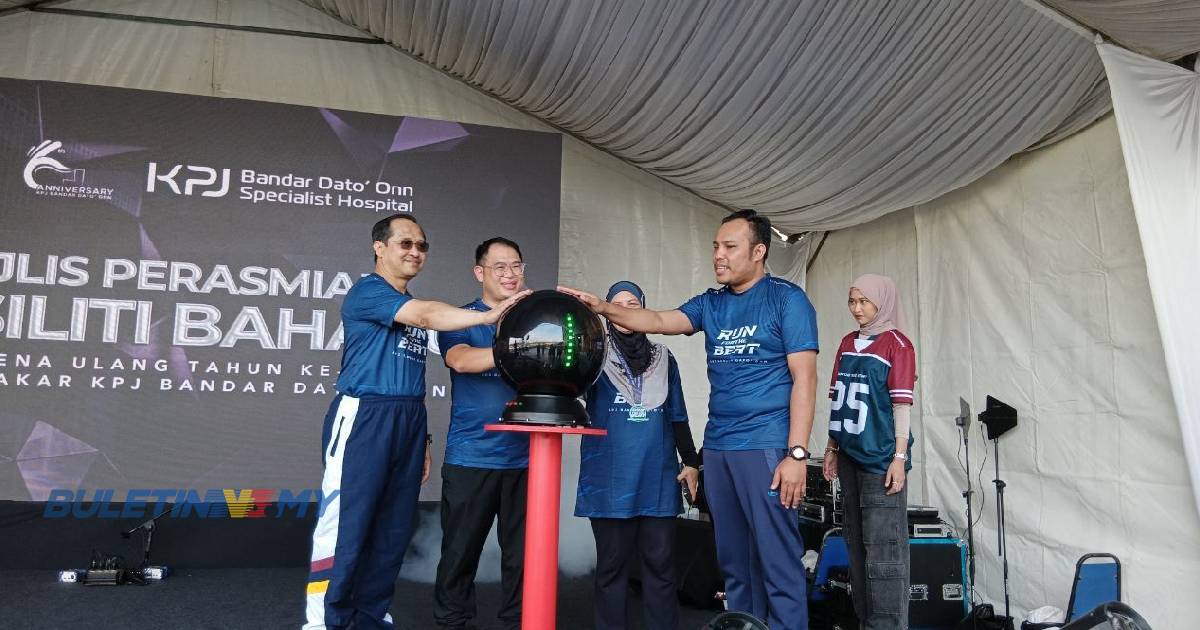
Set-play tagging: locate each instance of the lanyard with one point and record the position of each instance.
(634, 381)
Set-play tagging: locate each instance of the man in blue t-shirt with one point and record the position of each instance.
(485, 473)
(374, 443)
(760, 335)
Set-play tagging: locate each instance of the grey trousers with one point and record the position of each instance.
(876, 527)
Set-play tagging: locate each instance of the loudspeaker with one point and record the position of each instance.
(938, 596)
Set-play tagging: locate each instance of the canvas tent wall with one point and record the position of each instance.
(1029, 285)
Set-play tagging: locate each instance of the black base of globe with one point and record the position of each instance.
(546, 410)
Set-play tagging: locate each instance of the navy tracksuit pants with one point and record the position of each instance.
(758, 540)
(374, 450)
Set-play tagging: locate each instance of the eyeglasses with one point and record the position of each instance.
(408, 243)
(501, 269)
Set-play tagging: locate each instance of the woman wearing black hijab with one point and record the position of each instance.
(629, 479)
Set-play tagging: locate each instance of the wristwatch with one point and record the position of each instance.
(798, 452)
(900, 456)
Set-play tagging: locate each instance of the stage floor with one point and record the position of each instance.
(245, 598)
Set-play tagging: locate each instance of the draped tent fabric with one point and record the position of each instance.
(1157, 107)
(1164, 29)
(820, 114)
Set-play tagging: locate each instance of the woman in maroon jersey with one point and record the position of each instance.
(869, 440)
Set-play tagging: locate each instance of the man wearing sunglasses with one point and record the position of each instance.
(375, 446)
(485, 473)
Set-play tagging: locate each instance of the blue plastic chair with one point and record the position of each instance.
(1097, 581)
(834, 553)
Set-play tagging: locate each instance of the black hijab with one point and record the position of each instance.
(635, 348)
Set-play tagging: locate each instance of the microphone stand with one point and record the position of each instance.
(148, 538)
(1001, 539)
(968, 494)
(1000, 418)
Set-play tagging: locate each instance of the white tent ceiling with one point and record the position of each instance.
(822, 114)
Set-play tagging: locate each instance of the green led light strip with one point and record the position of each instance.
(569, 340)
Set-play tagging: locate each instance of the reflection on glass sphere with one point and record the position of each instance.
(550, 348)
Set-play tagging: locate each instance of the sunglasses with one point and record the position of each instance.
(408, 243)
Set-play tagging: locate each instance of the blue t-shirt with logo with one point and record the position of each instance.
(476, 400)
(381, 357)
(747, 337)
(631, 471)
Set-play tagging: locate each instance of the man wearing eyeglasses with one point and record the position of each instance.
(374, 441)
(484, 474)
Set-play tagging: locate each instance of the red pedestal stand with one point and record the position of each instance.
(540, 592)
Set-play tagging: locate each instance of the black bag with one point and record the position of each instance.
(984, 617)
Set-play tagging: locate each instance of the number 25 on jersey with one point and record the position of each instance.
(849, 397)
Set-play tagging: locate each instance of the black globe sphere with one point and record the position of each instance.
(550, 348)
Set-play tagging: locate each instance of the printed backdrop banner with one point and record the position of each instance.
(172, 267)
